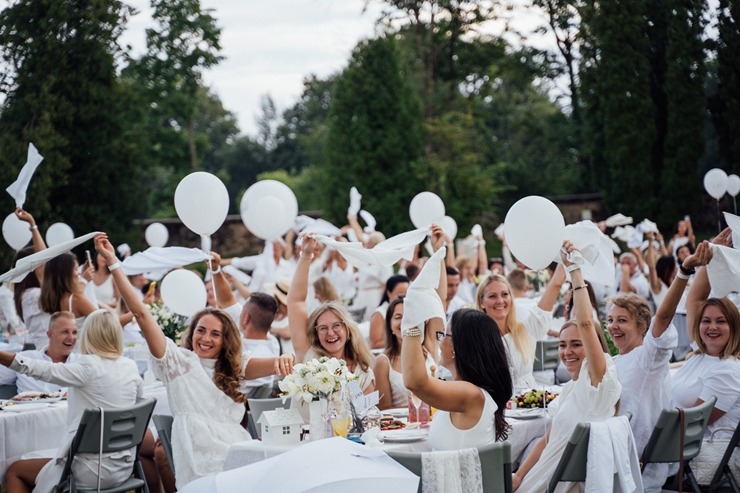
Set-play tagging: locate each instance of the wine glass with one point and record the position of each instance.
(340, 418)
(416, 401)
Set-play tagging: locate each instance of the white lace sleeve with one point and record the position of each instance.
(175, 362)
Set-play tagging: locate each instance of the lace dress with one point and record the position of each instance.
(206, 420)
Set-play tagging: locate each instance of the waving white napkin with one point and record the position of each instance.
(733, 222)
(18, 188)
(355, 202)
(422, 301)
(647, 226)
(596, 258)
(27, 264)
(385, 253)
(724, 270)
(157, 260)
(369, 221)
(618, 219)
(318, 226)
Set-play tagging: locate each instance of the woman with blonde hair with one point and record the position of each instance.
(324, 290)
(329, 330)
(494, 297)
(100, 377)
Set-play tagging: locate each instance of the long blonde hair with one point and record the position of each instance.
(355, 349)
(102, 335)
(513, 326)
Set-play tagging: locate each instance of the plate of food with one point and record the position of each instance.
(525, 413)
(21, 407)
(389, 423)
(533, 399)
(39, 397)
(403, 435)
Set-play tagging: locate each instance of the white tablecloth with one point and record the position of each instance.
(521, 434)
(42, 429)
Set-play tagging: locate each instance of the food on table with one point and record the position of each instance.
(534, 398)
(32, 395)
(391, 423)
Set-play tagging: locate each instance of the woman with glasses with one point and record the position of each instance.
(329, 330)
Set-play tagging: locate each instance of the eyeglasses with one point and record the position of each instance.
(442, 335)
(336, 327)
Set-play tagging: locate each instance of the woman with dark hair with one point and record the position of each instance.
(60, 289)
(103, 285)
(591, 395)
(660, 272)
(395, 286)
(203, 380)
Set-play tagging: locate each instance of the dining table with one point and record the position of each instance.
(38, 429)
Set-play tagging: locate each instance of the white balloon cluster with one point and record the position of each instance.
(717, 183)
(269, 209)
(427, 208)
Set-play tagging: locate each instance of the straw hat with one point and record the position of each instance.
(279, 290)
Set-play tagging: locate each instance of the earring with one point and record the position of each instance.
(453, 354)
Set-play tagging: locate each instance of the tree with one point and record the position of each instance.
(375, 133)
(63, 95)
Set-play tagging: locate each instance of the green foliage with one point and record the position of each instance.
(374, 134)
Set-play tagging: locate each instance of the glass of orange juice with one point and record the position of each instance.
(340, 418)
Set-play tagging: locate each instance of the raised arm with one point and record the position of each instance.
(38, 240)
(224, 295)
(655, 283)
(700, 287)
(355, 225)
(154, 336)
(583, 312)
(438, 241)
(297, 311)
(667, 309)
(552, 290)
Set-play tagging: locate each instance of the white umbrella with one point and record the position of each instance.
(333, 465)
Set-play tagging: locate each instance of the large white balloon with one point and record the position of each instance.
(733, 185)
(425, 209)
(156, 235)
(16, 232)
(535, 230)
(59, 233)
(283, 218)
(449, 226)
(715, 183)
(183, 292)
(267, 218)
(202, 202)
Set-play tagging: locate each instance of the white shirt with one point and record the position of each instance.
(536, 324)
(27, 383)
(260, 348)
(455, 304)
(8, 315)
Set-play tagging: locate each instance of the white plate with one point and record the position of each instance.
(402, 436)
(524, 413)
(402, 412)
(26, 406)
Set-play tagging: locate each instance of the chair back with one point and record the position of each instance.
(163, 424)
(495, 461)
(546, 355)
(664, 443)
(572, 464)
(357, 314)
(258, 406)
(724, 474)
(8, 391)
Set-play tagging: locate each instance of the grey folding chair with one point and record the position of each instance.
(495, 461)
(572, 465)
(664, 444)
(122, 429)
(8, 391)
(163, 425)
(258, 406)
(723, 475)
(546, 355)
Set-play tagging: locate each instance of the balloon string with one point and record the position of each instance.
(734, 201)
(213, 280)
(719, 218)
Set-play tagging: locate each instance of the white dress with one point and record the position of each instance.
(578, 402)
(104, 292)
(206, 419)
(36, 320)
(536, 324)
(704, 376)
(443, 435)
(646, 380)
(93, 382)
(399, 392)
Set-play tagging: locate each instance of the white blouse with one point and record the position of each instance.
(537, 325)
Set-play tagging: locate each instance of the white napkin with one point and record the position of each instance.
(385, 253)
(27, 264)
(724, 270)
(647, 226)
(239, 275)
(158, 259)
(733, 222)
(422, 301)
(618, 219)
(623, 233)
(369, 221)
(318, 226)
(123, 249)
(596, 258)
(18, 188)
(355, 202)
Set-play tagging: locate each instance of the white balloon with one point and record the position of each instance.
(715, 183)
(183, 292)
(59, 233)
(535, 230)
(425, 209)
(268, 218)
(16, 232)
(202, 202)
(448, 225)
(270, 188)
(156, 235)
(733, 185)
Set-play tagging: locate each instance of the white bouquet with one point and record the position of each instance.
(316, 378)
(171, 323)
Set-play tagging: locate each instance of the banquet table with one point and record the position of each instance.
(522, 433)
(43, 429)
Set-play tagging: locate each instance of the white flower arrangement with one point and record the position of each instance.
(316, 378)
(171, 323)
